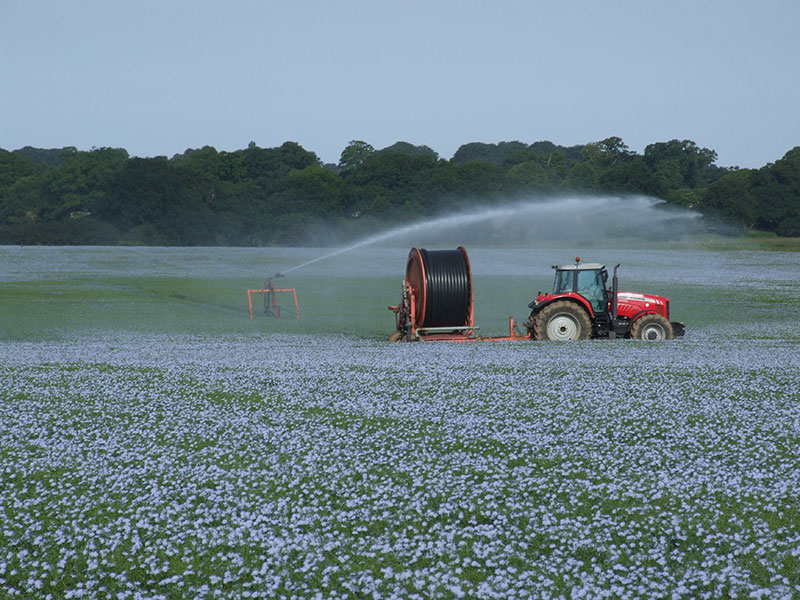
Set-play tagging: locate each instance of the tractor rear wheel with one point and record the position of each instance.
(562, 321)
(652, 328)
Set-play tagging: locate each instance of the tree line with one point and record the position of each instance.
(287, 196)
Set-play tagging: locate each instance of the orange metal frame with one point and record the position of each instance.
(272, 307)
(468, 336)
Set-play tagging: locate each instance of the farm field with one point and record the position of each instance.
(157, 443)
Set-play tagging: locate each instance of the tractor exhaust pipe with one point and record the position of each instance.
(614, 290)
(612, 331)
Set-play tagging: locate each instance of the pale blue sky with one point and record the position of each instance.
(159, 76)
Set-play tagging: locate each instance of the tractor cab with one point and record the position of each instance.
(587, 280)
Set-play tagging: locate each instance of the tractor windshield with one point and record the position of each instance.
(564, 280)
(591, 285)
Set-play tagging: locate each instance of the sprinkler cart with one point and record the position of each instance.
(436, 305)
(271, 306)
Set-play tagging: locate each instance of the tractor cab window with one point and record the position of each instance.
(563, 282)
(591, 285)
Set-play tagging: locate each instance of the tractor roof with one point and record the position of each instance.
(582, 267)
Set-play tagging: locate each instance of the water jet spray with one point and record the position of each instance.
(559, 220)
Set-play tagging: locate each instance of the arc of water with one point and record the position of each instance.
(585, 206)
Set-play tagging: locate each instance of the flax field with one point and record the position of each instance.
(155, 442)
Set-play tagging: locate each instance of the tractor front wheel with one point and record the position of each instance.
(562, 321)
(652, 328)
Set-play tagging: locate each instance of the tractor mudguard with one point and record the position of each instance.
(642, 313)
(538, 306)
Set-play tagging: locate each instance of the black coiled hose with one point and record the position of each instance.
(448, 288)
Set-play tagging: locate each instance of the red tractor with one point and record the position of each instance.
(582, 307)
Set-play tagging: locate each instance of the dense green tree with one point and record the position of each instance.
(409, 150)
(293, 156)
(520, 156)
(23, 201)
(571, 153)
(355, 154)
(42, 157)
(712, 173)
(529, 176)
(215, 178)
(140, 193)
(582, 176)
(210, 164)
(630, 176)
(479, 178)
(540, 173)
(491, 153)
(683, 157)
(69, 190)
(12, 168)
(730, 198)
(767, 198)
(607, 152)
(75, 187)
(544, 147)
(268, 167)
(314, 191)
(397, 178)
(776, 189)
(259, 162)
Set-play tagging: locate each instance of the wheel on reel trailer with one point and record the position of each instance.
(562, 321)
(398, 336)
(652, 328)
(530, 325)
